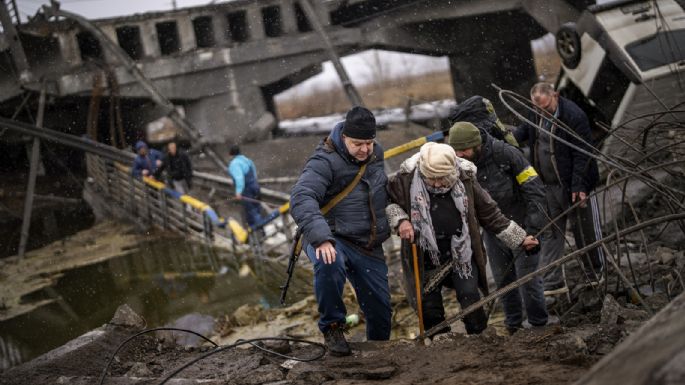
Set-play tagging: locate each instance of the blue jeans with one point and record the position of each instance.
(253, 210)
(369, 278)
(506, 272)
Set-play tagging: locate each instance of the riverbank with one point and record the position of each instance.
(41, 268)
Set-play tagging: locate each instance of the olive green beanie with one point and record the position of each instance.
(464, 135)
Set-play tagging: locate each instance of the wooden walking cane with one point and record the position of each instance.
(417, 283)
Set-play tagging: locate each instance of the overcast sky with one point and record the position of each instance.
(96, 9)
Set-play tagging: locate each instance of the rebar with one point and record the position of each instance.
(518, 283)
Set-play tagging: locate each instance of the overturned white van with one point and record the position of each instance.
(624, 64)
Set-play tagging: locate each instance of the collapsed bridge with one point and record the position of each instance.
(222, 64)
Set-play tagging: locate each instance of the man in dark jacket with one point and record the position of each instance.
(178, 167)
(437, 203)
(569, 176)
(347, 241)
(146, 162)
(505, 173)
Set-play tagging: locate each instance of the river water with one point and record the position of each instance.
(162, 281)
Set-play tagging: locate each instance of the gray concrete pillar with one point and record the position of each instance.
(232, 116)
(516, 65)
(471, 74)
(289, 20)
(220, 25)
(148, 35)
(68, 46)
(324, 16)
(111, 34)
(214, 119)
(186, 33)
(508, 65)
(255, 23)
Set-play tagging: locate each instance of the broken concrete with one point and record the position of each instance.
(553, 354)
(613, 313)
(224, 63)
(655, 354)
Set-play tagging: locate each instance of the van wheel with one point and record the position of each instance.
(568, 45)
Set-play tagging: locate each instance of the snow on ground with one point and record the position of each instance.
(322, 124)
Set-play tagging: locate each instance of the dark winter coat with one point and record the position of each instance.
(178, 167)
(360, 217)
(148, 162)
(513, 183)
(481, 113)
(482, 211)
(577, 171)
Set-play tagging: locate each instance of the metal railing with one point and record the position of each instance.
(155, 204)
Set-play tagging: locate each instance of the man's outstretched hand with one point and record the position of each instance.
(529, 243)
(580, 195)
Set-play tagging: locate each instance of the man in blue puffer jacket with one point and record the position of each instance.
(347, 241)
(147, 161)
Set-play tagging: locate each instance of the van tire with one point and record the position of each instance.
(568, 45)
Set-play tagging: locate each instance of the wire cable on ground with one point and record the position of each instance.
(217, 349)
(250, 341)
(121, 345)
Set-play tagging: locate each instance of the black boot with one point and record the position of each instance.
(335, 341)
(513, 329)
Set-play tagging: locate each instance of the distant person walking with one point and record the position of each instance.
(244, 174)
(178, 167)
(569, 176)
(147, 162)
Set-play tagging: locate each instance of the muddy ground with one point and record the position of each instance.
(550, 355)
(592, 323)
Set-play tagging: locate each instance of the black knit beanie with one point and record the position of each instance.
(360, 124)
(234, 150)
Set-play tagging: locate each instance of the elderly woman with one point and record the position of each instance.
(447, 206)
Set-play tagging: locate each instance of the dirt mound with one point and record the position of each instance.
(549, 355)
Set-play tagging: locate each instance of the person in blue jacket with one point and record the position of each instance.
(347, 242)
(244, 174)
(147, 161)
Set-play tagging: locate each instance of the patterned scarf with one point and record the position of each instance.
(460, 245)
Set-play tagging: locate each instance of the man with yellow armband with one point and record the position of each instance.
(506, 175)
